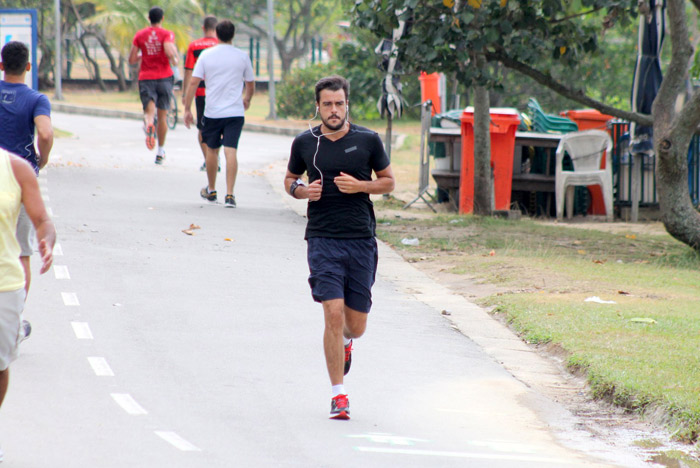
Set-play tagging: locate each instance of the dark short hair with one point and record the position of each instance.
(155, 15)
(333, 83)
(209, 22)
(225, 30)
(15, 56)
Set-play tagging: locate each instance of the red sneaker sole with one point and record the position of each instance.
(151, 137)
(342, 415)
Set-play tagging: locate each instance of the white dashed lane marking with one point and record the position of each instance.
(61, 272)
(177, 441)
(82, 330)
(100, 366)
(128, 404)
(70, 299)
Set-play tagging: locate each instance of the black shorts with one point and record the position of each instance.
(199, 105)
(158, 91)
(343, 269)
(226, 131)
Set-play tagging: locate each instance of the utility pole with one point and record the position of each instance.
(57, 68)
(271, 59)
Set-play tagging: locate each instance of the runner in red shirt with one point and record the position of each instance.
(158, 52)
(193, 51)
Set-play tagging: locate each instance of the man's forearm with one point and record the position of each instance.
(379, 186)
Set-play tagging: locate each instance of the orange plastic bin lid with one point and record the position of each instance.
(501, 118)
(586, 114)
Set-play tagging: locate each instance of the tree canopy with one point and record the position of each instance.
(467, 38)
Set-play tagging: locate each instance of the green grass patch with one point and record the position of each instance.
(552, 270)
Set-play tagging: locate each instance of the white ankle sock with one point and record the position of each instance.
(338, 390)
(346, 341)
(161, 151)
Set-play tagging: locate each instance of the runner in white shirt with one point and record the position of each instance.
(230, 81)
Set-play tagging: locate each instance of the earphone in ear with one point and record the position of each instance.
(317, 109)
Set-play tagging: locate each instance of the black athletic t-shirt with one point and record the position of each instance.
(358, 153)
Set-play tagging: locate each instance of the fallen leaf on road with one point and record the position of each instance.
(228, 239)
(189, 232)
(194, 226)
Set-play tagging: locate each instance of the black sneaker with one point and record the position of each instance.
(340, 407)
(207, 195)
(348, 357)
(160, 158)
(25, 329)
(230, 201)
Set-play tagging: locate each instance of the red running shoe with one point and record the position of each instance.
(348, 357)
(150, 136)
(340, 407)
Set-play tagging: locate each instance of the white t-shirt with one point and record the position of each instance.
(224, 69)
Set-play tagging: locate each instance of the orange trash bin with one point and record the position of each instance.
(430, 89)
(504, 123)
(591, 119)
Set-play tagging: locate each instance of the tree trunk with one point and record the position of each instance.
(483, 185)
(95, 65)
(114, 66)
(673, 131)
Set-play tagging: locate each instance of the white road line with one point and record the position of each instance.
(45, 198)
(61, 272)
(70, 299)
(49, 211)
(57, 250)
(100, 366)
(128, 404)
(177, 441)
(82, 330)
(478, 456)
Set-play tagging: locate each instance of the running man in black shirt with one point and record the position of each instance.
(339, 158)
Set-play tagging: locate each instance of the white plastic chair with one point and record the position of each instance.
(586, 150)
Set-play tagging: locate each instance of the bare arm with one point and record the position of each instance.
(188, 98)
(171, 52)
(44, 131)
(186, 83)
(311, 191)
(249, 91)
(133, 55)
(34, 205)
(384, 183)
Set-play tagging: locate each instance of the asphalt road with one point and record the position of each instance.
(154, 348)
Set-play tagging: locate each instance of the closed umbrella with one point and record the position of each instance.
(647, 80)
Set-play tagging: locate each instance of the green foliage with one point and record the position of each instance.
(357, 63)
(445, 39)
(295, 96)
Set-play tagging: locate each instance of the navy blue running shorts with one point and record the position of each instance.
(226, 131)
(343, 269)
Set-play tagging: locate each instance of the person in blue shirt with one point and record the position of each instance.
(23, 112)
